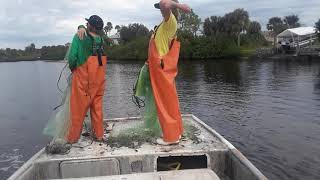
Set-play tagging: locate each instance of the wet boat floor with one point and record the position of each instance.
(195, 139)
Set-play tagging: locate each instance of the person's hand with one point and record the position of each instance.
(185, 8)
(81, 33)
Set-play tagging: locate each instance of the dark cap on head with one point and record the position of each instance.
(175, 11)
(157, 5)
(96, 22)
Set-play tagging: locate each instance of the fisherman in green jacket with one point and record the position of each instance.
(88, 65)
(81, 48)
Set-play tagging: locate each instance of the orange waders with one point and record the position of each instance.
(88, 84)
(163, 71)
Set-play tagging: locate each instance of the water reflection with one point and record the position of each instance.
(225, 71)
(120, 80)
(260, 107)
(269, 109)
(317, 83)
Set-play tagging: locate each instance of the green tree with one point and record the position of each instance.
(292, 21)
(117, 28)
(32, 47)
(317, 26)
(133, 31)
(275, 25)
(8, 52)
(2, 53)
(254, 27)
(236, 22)
(53, 52)
(136, 49)
(233, 24)
(190, 22)
(212, 25)
(108, 28)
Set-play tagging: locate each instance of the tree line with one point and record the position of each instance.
(317, 26)
(231, 35)
(32, 53)
(215, 37)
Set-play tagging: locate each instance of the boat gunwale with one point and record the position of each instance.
(26, 166)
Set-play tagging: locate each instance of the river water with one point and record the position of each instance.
(268, 109)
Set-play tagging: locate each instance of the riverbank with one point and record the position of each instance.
(292, 57)
(20, 58)
(245, 54)
(31, 53)
(30, 60)
(117, 53)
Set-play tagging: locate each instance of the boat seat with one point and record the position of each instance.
(194, 174)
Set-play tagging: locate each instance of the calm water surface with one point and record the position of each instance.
(270, 110)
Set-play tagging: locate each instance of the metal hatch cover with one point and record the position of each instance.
(89, 168)
(194, 174)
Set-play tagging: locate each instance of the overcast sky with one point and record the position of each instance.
(53, 22)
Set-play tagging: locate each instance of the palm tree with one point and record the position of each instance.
(254, 27)
(292, 21)
(108, 28)
(117, 28)
(317, 26)
(276, 26)
(239, 22)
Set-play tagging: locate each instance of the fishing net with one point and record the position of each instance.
(59, 122)
(135, 134)
(131, 136)
(143, 89)
(59, 119)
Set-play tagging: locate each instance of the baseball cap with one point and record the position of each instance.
(96, 22)
(157, 5)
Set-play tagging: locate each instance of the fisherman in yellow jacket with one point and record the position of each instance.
(157, 77)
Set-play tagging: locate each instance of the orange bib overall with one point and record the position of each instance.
(88, 84)
(163, 71)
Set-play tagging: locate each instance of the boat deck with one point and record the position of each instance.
(200, 141)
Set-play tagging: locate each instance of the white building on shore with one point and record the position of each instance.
(115, 38)
(296, 38)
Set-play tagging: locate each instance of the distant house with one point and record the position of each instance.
(297, 37)
(268, 35)
(115, 38)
